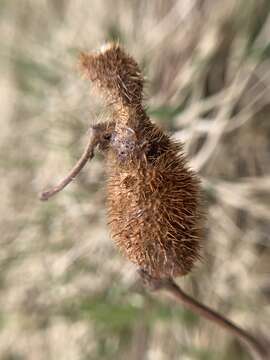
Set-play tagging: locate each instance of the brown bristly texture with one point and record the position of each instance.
(115, 73)
(154, 202)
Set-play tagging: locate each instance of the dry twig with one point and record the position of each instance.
(88, 154)
(172, 288)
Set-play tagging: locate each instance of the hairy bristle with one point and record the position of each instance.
(153, 197)
(154, 207)
(115, 73)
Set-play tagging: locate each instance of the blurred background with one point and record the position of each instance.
(65, 291)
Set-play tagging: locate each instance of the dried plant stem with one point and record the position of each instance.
(87, 155)
(171, 287)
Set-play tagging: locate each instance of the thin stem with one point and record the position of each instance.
(88, 154)
(171, 287)
(214, 316)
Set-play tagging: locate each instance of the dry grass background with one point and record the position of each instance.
(66, 293)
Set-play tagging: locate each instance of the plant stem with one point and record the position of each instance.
(202, 310)
(87, 155)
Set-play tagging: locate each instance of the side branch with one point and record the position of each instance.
(88, 154)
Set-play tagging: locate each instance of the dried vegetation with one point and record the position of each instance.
(65, 291)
